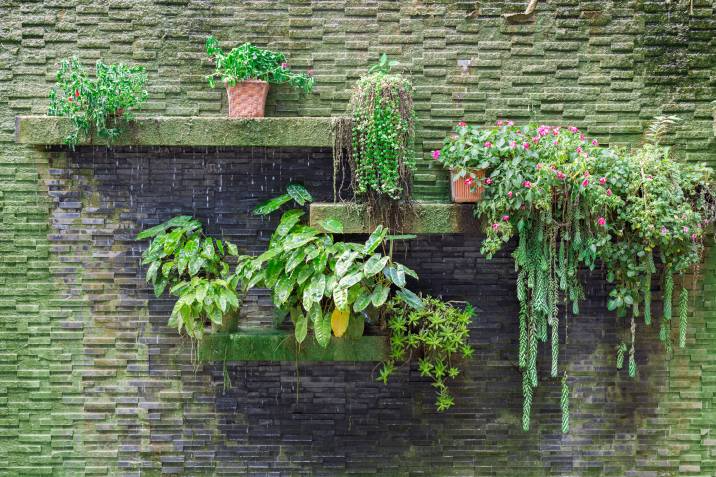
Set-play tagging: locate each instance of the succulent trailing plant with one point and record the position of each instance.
(196, 269)
(574, 204)
(97, 104)
(249, 62)
(438, 333)
(327, 286)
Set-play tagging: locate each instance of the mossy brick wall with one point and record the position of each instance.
(91, 383)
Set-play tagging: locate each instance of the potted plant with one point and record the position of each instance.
(467, 153)
(247, 71)
(96, 104)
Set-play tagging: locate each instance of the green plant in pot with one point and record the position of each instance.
(97, 104)
(197, 270)
(573, 204)
(328, 286)
(247, 71)
(381, 142)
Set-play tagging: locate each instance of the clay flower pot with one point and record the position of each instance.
(463, 193)
(247, 99)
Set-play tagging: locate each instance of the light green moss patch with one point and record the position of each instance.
(422, 218)
(274, 345)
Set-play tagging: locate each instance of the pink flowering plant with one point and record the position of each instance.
(573, 204)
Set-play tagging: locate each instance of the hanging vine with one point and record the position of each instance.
(572, 205)
(382, 158)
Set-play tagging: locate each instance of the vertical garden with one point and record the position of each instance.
(337, 238)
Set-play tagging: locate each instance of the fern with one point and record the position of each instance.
(683, 315)
(659, 128)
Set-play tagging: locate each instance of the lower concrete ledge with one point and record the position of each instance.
(422, 218)
(273, 345)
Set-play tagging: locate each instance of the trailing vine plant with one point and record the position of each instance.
(383, 127)
(438, 333)
(573, 204)
(96, 104)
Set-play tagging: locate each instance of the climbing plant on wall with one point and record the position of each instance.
(573, 204)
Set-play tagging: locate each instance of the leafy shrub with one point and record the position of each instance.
(324, 284)
(96, 104)
(438, 333)
(196, 269)
(249, 62)
(572, 203)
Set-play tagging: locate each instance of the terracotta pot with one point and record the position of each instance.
(463, 193)
(247, 99)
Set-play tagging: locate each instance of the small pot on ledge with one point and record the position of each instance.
(463, 193)
(247, 99)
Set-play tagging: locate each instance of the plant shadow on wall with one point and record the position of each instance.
(328, 289)
(572, 204)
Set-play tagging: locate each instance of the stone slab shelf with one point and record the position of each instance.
(425, 218)
(275, 345)
(189, 131)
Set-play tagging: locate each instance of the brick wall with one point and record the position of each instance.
(92, 382)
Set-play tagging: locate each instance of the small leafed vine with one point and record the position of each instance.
(573, 204)
(383, 126)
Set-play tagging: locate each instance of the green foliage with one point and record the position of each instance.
(438, 333)
(196, 269)
(383, 132)
(573, 204)
(249, 62)
(312, 275)
(96, 104)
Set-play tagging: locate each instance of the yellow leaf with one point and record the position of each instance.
(339, 322)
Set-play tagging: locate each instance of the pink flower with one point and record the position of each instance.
(573, 129)
(513, 144)
(284, 66)
(310, 72)
(499, 122)
(469, 181)
(579, 149)
(555, 131)
(581, 136)
(561, 175)
(526, 145)
(586, 173)
(510, 123)
(535, 139)
(505, 218)
(602, 221)
(602, 180)
(509, 194)
(694, 237)
(595, 142)
(488, 181)
(495, 226)
(538, 166)
(436, 154)
(686, 230)
(585, 182)
(664, 230)
(609, 192)
(462, 124)
(527, 184)
(488, 144)
(555, 142)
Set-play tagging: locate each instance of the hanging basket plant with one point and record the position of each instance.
(382, 138)
(573, 204)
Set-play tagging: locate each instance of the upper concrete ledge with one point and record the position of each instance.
(189, 131)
